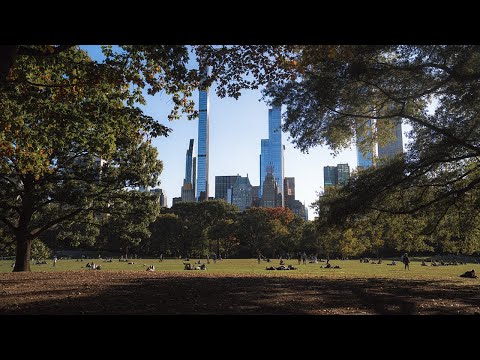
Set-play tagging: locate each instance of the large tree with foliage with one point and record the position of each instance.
(348, 92)
(72, 137)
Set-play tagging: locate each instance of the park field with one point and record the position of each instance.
(238, 286)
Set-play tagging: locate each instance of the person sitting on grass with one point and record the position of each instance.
(469, 274)
(151, 268)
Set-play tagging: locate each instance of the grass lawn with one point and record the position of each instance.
(238, 286)
(349, 268)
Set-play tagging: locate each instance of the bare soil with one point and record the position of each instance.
(162, 293)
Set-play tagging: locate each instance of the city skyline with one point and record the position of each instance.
(236, 129)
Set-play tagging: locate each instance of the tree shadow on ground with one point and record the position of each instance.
(164, 293)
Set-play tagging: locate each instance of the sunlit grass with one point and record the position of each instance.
(349, 268)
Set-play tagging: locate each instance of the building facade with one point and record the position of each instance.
(162, 198)
(271, 195)
(272, 150)
(203, 144)
(242, 193)
(188, 187)
(223, 186)
(289, 191)
(335, 175)
(329, 176)
(343, 174)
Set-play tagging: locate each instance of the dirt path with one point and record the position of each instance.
(123, 292)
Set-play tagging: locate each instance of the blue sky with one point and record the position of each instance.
(236, 128)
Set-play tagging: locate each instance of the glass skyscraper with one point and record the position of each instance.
(272, 150)
(329, 176)
(189, 164)
(222, 185)
(202, 153)
(343, 174)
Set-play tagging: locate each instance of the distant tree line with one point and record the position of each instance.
(215, 227)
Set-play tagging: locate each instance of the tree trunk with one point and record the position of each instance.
(22, 259)
(22, 235)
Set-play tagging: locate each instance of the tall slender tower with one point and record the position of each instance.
(188, 187)
(202, 153)
(189, 164)
(272, 150)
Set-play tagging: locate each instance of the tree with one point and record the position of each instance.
(67, 151)
(165, 233)
(127, 226)
(359, 91)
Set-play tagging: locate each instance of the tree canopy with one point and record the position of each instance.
(345, 93)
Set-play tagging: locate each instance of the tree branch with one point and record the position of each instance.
(36, 232)
(439, 130)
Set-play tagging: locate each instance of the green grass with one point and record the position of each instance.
(350, 268)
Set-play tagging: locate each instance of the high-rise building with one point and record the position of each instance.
(335, 175)
(365, 160)
(329, 176)
(343, 174)
(264, 162)
(188, 193)
(162, 198)
(289, 191)
(188, 187)
(255, 196)
(271, 195)
(242, 193)
(222, 186)
(202, 153)
(189, 164)
(176, 200)
(299, 209)
(395, 146)
(272, 150)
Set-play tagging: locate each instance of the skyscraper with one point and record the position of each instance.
(189, 164)
(343, 174)
(335, 175)
(329, 176)
(271, 193)
(242, 193)
(222, 185)
(394, 147)
(202, 153)
(162, 198)
(188, 187)
(289, 191)
(272, 150)
(365, 161)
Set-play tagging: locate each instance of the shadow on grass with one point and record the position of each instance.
(164, 294)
